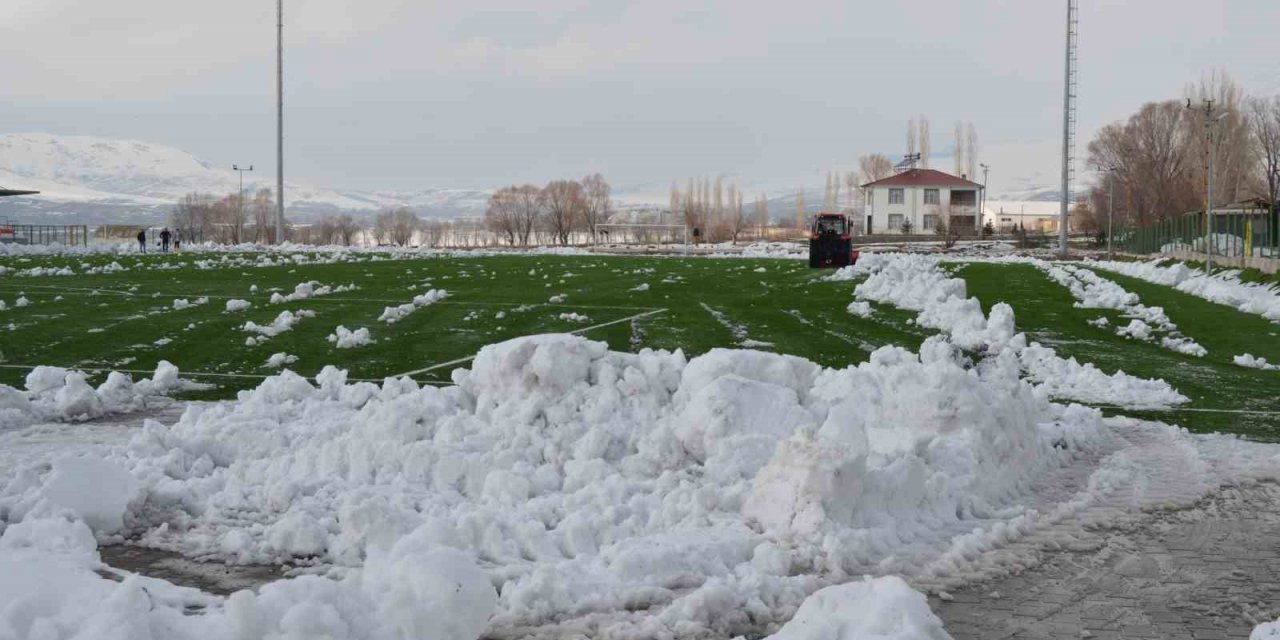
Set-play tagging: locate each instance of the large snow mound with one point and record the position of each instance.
(715, 493)
(880, 609)
(918, 283)
(55, 394)
(1223, 287)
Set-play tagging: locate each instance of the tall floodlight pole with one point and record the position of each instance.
(279, 121)
(1068, 123)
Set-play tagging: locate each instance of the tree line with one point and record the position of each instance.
(1156, 162)
(553, 214)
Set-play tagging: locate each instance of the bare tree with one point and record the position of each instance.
(346, 228)
(957, 152)
(800, 210)
(562, 208)
(1264, 125)
(875, 166)
(263, 206)
(434, 232)
(596, 206)
(851, 183)
(404, 223)
(500, 216)
(193, 216)
(1226, 138)
(675, 197)
(528, 209)
(912, 132)
(762, 214)
(1151, 155)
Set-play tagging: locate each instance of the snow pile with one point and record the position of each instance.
(1248, 360)
(880, 609)
(643, 286)
(283, 322)
(238, 305)
(52, 587)
(391, 315)
(1223, 287)
(54, 394)
(915, 282)
(860, 308)
(344, 338)
(182, 303)
(1266, 631)
(309, 289)
(1092, 291)
(280, 359)
(715, 492)
(574, 317)
(22, 301)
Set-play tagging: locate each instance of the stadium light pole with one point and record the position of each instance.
(240, 193)
(279, 121)
(1210, 126)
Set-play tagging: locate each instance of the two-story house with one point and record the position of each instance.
(917, 199)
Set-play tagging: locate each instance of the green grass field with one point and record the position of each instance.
(114, 320)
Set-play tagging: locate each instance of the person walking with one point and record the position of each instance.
(142, 241)
(177, 240)
(164, 239)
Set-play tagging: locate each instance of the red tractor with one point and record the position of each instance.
(830, 241)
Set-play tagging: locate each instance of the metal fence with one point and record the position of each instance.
(65, 234)
(1234, 235)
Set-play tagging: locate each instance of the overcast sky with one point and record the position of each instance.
(405, 94)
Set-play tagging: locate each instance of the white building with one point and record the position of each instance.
(918, 199)
(1007, 216)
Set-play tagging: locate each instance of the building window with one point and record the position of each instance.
(930, 221)
(931, 197)
(895, 220)
(895, 196)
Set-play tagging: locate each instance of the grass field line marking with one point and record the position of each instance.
(58, 288)
(574, 332)
(1194, 410)
(149, 295)
(255, 376)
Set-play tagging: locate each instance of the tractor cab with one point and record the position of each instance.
(831, 241)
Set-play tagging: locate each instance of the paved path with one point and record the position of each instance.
(1209, 571)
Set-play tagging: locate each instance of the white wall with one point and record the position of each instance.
(912, 207)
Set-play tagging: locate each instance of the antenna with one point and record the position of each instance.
(908, 162)
(1068, 122)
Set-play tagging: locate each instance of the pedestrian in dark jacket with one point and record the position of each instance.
(164, 239)
(142, 241)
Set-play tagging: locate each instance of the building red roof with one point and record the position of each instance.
(923, 178)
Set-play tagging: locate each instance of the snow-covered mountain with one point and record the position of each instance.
(94, 180)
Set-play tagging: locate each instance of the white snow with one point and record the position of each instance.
(22, 301)
(643, 286)
(55, 394)
(1223, 287)
(916, 282)
(1092, 291)
(871, 609)
(391, 315)
(282, 322)
(238, 305)
(280, 359)
(574, 317)
(1248, 360)
(344, 338)
(1266, 631)
(860, 308)
(95, 490)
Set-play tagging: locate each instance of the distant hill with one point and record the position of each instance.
(92, 180)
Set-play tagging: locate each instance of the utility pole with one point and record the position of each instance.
(982, 207)
(279, 121)
(1210, 123)
(1068, 123)
(240, 193)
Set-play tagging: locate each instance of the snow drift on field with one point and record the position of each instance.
(54, 394)
(391, 315)
(917, 282)
(715, 493)
(1249, 360)
(880, 609)
(1092, 291)
(1223, 287)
